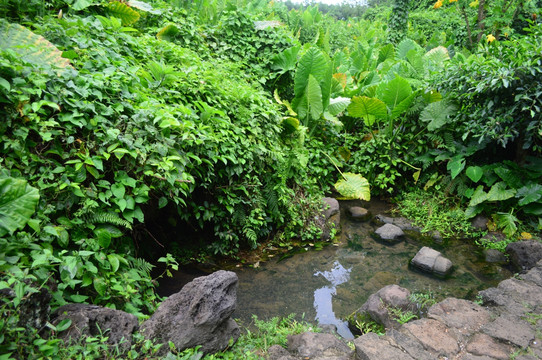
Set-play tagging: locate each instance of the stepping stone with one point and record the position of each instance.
(432, 261)
(390, 233)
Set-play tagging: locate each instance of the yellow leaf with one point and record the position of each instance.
(526, 236)
(437, 4)
(474, 4)
(490, 38)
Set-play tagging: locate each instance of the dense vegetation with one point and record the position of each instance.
(202, 128)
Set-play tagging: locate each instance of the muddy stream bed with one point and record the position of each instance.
(325, 286)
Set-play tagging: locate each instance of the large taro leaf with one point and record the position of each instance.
(338, 105)
(32, 47)
(286, 60)
(309, 106)
(437, 114)
(369, 109)
(353, 186)
(168, 32)
(125, 13)
(316, 63)
(394, 92)
(405, 46)
(18, 202)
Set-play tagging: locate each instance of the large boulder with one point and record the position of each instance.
(91, 320)
(524, 254)
(432, 261)
(199, 314)
(377, 307)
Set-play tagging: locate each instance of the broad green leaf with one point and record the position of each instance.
(456, 165)
(437, 114)
(403, 106)
(404, 47)
(32, 47)
(125, 13)
(499, 192)
(314, 98)
(529, 193)
(291, 124)
(437, 56)
(472, 211)
(114, 261)
(81, 4)
(66, 323)
(316, 63)
(100, 285)
(506, 222)
(168, 32)
(118, 190)
(338, 105)
(103, 236)
(18, 202)
(478, 197)
(431, 96)
(509, 176)
(5, 84)
(367, 108)
(386, 52)
(286, 60)
(533, 209)
(143, 6)
(353, 186)
(474, 173)
(393, 92)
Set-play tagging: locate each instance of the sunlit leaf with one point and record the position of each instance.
(367, 108)
(499, 192)
(474, 173)
(124, 12)
(18, 202)
(353, 186)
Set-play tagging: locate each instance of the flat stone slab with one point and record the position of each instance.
(357, 213)
(485, 345)
(433, 335)
(510, 328)
(373, 347)
(466, 316)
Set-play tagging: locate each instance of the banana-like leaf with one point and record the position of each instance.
(32, 47)
(125, 13)
(369, 109)
(353, 186)
(168, 32)
(18, 202)
(338, 105)
(393, 92)
(437, 114)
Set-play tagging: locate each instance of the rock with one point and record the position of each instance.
(484, 345)
(373, 347)
(91, 320)
(318, 346)
(199, 314)
(400, 222)
(514, 296)
(524, 254)
(437, 237)
(330, 220)
(408, 344)
(378, 304)
(389, 233)
(480, 222)
(463, 315)
(494, 236)
(33, 310)
(512, 329)
(432, 261)
(331, 207)
(433, 335)
(358, 213)
(277, 352)
(495, 256)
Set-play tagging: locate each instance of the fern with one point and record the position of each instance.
(271, 198)
(107, 218)
(251, 236)
(142, 265)
(239, 215)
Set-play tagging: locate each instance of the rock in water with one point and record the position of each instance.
(358, 213)
(432, 261)
(199, 314)
(91, 320)
(329, 219)
(390, 233)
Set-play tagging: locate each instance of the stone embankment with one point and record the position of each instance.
(506, 325)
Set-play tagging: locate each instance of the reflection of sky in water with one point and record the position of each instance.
(323, 299)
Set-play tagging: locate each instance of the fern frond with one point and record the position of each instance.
(141, 265)
(271, 198)
(104, 217)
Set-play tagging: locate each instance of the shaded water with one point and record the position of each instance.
(326, 286)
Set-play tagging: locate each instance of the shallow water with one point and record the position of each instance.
(326, 286)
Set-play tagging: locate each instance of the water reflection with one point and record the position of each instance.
(323, 299)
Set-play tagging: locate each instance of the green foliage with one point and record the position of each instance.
(398, 22)
(18, 202)
(353, 186)
(434, 212)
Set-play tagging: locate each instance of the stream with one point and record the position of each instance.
(325, 286)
